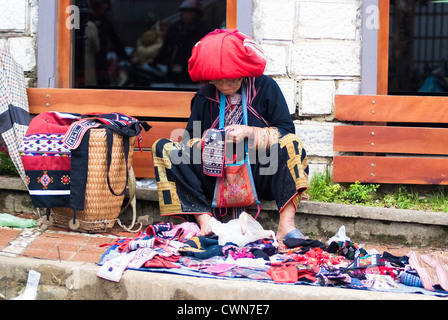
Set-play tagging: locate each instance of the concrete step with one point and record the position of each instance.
(78, 281)
(315, 219)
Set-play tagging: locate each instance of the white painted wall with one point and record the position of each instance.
(314, 52)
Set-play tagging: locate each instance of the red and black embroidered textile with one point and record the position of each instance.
(47, 160)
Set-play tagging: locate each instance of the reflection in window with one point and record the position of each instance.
(418, 53)
(141, 44)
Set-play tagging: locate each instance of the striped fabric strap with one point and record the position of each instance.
(76, 131)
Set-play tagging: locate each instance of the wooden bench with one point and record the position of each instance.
(395, 139)
(164, 111)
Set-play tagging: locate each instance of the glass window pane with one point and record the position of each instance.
(141, 44)
(418, 49)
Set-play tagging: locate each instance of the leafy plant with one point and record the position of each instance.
(360, 193)
(322, 188)
(7, 167)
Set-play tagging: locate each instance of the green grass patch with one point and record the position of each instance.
(7, 167)
(425, 198)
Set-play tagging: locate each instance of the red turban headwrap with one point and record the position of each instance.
(226, 54)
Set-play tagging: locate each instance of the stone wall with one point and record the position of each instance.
(314, 52)
(18, 34)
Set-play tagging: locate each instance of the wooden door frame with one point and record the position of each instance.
(383, 47)
(64, 46)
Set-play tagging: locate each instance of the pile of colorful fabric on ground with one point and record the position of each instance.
(339, 262)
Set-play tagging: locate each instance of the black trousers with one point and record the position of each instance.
(280, 174)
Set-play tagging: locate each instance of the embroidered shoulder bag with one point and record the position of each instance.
(235, 187)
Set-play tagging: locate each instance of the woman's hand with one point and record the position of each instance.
(239, 133)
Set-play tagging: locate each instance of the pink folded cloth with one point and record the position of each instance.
(184, 231)
(219, 268)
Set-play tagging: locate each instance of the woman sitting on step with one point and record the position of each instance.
(252, 111)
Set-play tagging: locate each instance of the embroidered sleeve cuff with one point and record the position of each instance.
(264, 137)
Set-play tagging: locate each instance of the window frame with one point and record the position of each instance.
(375, 47)
(382, 69)
(64, 70)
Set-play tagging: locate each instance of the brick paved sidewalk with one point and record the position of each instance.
(57, 243)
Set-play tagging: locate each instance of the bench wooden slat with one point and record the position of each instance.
(130, 102)
(142, 161)
(386, 139)
(366, 108)
(143, 164)
(161, 130)
(393, 170)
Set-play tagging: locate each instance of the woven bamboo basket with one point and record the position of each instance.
(101, 207)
